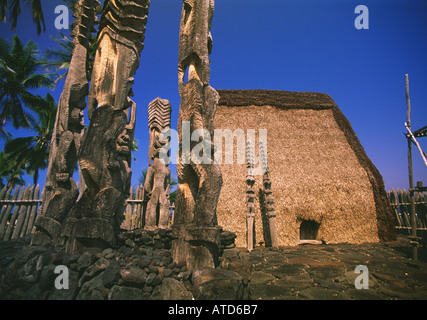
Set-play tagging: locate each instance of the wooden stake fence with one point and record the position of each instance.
(18, 211)
(134, 214)
(400, 201)
(20, 206)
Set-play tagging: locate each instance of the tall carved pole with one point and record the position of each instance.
(195, 229)
(157, 181)
(61, 190)
(105, 153)
(270, 209)
(268, 199)
(250, 198)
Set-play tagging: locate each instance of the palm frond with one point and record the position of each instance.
(15, 11)
(38, 18)
(3, 9)
(4, 135)
(66, 43)
(4, 45)
(37, 81)
(12, 8)
(32, 152)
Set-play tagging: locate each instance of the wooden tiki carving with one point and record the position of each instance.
(105, 157)
(157, 180)
(61, 190)
(199, 181)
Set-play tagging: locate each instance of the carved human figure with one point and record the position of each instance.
(105, 164)
(61, 190)
(157, 186)
(157, 180)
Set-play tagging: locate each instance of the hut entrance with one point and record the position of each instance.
(308, 232)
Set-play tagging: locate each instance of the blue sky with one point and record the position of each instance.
(294, 45)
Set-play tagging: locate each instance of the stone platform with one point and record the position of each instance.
(141, 268)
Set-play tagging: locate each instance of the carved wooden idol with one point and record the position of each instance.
(157, 180)
(195, 226)
(61, 190)
(105, 157)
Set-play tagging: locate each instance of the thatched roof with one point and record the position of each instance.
(319, 169)
(277, 98)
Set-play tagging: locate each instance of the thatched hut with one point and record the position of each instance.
(325, 186)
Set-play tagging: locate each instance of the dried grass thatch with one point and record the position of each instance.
(319, 170)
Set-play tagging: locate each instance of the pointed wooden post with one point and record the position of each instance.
(138, 208)
(393, 201)
(15, 213)
(20, 218)
(126, 225)
(28, 212)
(411, 177)
(4, 194)
(8, 210)
(144, 202)
(33, 211)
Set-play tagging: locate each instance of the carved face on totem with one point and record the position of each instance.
(123, 143)
(159, 117)
(125, 139)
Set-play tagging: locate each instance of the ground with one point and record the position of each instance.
(327, 272)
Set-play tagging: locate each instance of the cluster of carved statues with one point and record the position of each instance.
(61, 190)
(103, 151)
(90, 215)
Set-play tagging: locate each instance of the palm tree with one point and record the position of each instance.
(11, 170)
(172, 195)
(60, 59)
(33, 151)
(18, 75)
(14, 8)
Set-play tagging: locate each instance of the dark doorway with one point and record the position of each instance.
(308, 230)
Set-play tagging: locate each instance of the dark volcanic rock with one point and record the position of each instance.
(144, 272)
(216, 284)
